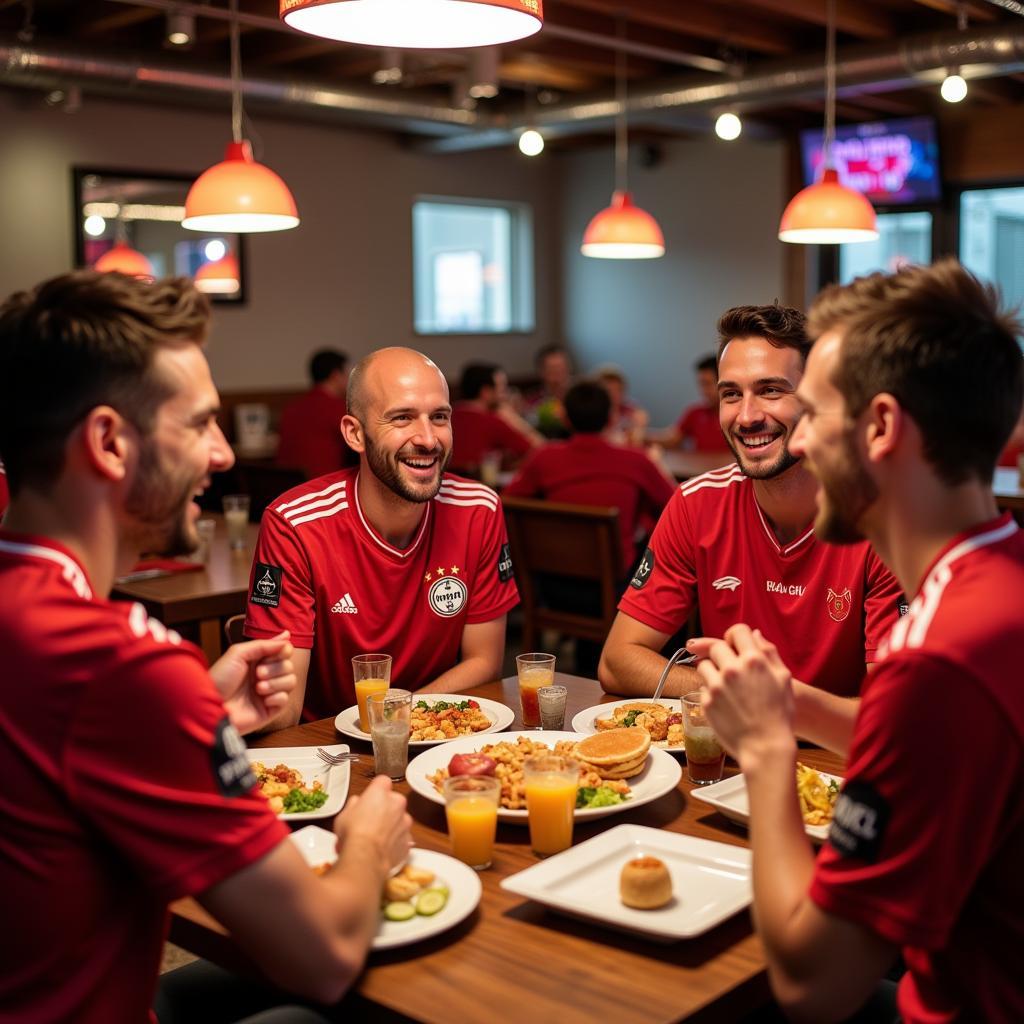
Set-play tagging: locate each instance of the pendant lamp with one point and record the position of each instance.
(219, 277)
(239, 194)
(622, 231)
(416, 24)
(123, 259)
(828, 213)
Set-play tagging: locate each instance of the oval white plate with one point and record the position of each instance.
(318, 846)
(335, 778)
(583, 721)
(660, 776)
(500, 715)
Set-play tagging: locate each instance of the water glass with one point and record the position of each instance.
(236, 518)
(552, 707)
(389, 712)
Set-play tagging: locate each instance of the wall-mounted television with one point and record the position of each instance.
(893, 163)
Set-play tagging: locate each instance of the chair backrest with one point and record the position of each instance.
(578, 542)
(233, 629)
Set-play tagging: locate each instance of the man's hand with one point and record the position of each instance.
(747, 691)
(378, 815)
(254, 680)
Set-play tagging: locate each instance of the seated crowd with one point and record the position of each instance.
(853, 578)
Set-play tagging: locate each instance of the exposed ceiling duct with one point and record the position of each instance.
(982, 52)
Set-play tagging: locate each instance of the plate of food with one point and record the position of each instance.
(439, 718)
(662, 885)
(619, 769)
(298, 785)
(430, 894)
(817, 792)
(663, 719)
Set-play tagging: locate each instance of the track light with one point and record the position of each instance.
(181, 29)
(483, 73)
(953, 88)
(390, 70)
(531, 142)
(728, 127)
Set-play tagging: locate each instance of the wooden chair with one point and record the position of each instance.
(577, 542)
(233, 629)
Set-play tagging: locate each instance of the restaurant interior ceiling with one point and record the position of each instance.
(686, 63)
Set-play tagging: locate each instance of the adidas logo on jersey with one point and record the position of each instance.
(726, 583)
(346, 606)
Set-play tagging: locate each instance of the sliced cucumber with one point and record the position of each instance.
(399, 910)
(430, 901)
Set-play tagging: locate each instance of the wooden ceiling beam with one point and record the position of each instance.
(854, 17)
(122, 18)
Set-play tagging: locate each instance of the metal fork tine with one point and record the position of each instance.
(335, 758)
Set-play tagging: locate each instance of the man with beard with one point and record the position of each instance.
(126, 783)
(396, 556)
(911, 391)
(738, 543)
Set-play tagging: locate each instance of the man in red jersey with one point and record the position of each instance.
(484, 423)
(310, 426)
(911, 392)
(126, 783)
(738, 542)
(698, 428)
(396, 556)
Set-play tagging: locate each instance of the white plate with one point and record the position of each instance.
(710, 881)
(660, 776)
(304, 760)
(584, 721)
(729, 797)
(319, 846)
(500, 715)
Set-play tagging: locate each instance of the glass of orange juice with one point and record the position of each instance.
(471, 806)
(371, 673)
(535, 670)
(551, 782)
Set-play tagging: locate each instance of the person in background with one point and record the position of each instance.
(911, 391)
(699, 429)
(627, 422)
(397, 556)
(738, 542)
(484, 423)
(126, 782)
(544, 409)
(1014, 450)
(310, 426)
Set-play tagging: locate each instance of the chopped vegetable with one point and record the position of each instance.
(430, 901)
(298, 801)
(400, 910)
(598, 796)
(629, 720)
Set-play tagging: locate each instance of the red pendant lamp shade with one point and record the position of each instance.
(416, 24)
(219, 277)
(239, 195)
(623, 231)
(123, 259)
(828, 213)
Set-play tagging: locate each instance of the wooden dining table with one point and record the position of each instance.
(683, 465)
(196, 603)
(514, 960)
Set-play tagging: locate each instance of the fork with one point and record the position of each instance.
(335, 758)
(681, 657)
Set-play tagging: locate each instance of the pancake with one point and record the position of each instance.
(623, 773)
(614, 747)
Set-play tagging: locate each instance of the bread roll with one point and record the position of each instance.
(645, 883)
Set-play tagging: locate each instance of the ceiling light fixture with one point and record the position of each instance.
(416, 24)
(219, 277)
(390, 70)
(622, 231)
(181, 29)
(238, 194)
(828, 213)
(483, 73)
(531, 142)
(728, 126)
(954, 85)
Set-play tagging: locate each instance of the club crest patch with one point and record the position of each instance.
(859, 822)
(267, 583)
(643, 571)
(231, 769)
(839, 605)
(447, 595)
(505, 571)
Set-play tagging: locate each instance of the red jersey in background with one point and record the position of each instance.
(700, 423)
(478, 432)
(310, 432)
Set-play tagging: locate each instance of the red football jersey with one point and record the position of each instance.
(125, 787)
(927, 844)
(826, 608)
(323, 572)
(700, 423)
(310, 432)
(587, 470)
(477, 432)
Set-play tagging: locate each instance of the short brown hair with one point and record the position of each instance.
(78, 341)
(937, 340)
(781, 326)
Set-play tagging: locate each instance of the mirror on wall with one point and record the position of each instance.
(131, 221)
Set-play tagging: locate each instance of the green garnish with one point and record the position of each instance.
(833, 787)
(629, 719)
(598, 796)
(298, 802)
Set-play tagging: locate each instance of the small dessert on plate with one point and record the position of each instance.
(645, 883)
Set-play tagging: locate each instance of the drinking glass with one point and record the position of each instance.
(550, 781)
(471, 807)
(236, 518)
(389, 712)
(205, 530)
(535, 670)
(371, 673)
(552, 707)
(705, 758)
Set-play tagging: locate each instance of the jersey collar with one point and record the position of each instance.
(770, 534)
(379, 540)
(25, 546)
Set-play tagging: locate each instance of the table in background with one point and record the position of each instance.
(196, 603)
(513, 960)
(683, 465)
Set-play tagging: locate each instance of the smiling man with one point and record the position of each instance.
(395, 556)
(738, 542)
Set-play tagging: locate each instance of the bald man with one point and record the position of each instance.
(395, 556)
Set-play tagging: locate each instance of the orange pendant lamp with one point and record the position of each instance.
(416, 24)
(219, 277)
(123, 259)
(622, 231)
(239, 194)
(828, 213)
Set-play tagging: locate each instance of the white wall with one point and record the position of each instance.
(718, 205)
(343, 277)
